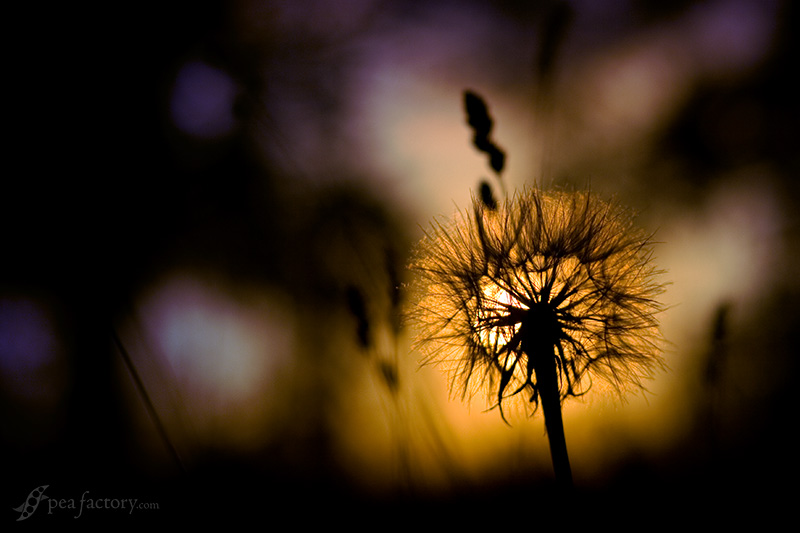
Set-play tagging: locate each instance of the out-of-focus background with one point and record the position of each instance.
(207, 210)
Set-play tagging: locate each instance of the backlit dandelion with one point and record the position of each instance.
(531, 300)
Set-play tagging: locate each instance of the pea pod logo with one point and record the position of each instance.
(31, 502)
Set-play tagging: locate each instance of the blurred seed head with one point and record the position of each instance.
(481, 122)
(566, 270)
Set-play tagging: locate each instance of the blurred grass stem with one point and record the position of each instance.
(148, 403)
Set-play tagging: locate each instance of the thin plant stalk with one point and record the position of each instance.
(540, 331)
(547, 378)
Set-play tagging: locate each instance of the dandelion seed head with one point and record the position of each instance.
(560, 273)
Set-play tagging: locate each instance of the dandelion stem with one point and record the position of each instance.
(540, 331)
(547, 381)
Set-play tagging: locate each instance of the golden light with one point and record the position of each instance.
(496, 304)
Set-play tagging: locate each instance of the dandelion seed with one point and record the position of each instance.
(532, 301)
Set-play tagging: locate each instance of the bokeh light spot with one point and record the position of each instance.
(202, 101)
(223, 348)
(29, 347)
